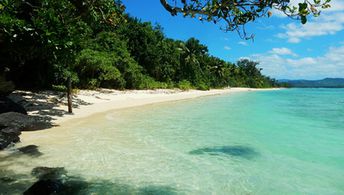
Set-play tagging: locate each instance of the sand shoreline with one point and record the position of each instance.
(89, 102)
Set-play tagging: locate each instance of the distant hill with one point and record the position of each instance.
(326, 83)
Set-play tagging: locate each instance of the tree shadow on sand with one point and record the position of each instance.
(236, 151)
(45, 104)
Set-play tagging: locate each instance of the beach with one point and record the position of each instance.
(90, 102)
(139, 142)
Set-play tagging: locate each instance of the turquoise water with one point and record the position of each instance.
(261, 142)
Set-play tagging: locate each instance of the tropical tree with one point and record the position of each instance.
(192, 52)
(41, 37)
(236, 13)
(220, 71)
(251, 73)
(43, 42)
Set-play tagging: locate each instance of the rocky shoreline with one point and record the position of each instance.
(14, 119)
(13, 123)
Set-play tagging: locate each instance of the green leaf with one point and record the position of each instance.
(302, 7)
(303, 19)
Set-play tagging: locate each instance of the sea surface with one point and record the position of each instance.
(288, 141)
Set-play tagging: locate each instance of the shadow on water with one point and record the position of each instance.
(13, 183)
(56, 180)
(237, 151)
(45, 180)
(10, 181)
(30, 150)
(13, 154)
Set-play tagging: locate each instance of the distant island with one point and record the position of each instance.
(323, 83)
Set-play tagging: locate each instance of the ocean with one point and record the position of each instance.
(288, 141)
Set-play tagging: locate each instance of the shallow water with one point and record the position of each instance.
(266, 142)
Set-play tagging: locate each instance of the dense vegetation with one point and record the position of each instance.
(95, 43)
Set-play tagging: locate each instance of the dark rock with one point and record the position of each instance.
(10, 130)
(8, 135)
(7, 140)
(7, 105)
(44, 187)
(22, 122)
(12, 123)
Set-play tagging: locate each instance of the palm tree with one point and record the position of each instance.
(192, 51)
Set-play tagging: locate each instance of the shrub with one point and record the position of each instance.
(170, 85)
(60, 88)
(149, 83)
(184, 85)
(203, 86)
(97, 69)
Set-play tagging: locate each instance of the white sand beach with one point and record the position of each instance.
(89, 102)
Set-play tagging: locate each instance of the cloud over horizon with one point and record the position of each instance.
(330, 64)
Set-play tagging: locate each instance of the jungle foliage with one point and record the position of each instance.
(43, 42)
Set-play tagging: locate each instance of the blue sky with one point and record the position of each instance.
(284, 47)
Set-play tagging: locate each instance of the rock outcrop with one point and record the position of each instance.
(8, 105)
(12, 123)
(22, 122)
(8, 135)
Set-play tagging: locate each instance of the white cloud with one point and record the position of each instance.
(244, 43)
(326, 25)
(331, 64)
(227, 47)
(330, 22)
(282, 51)
(336, 5)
